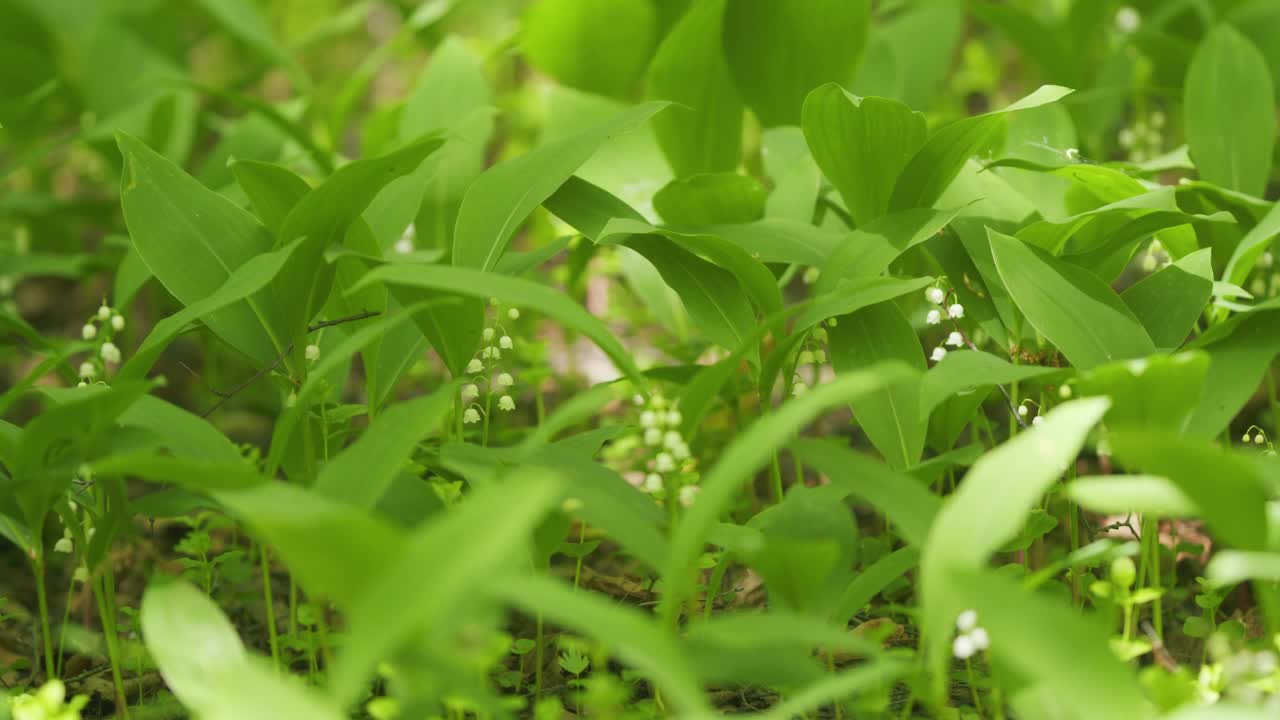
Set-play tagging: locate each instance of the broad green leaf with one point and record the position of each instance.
(776, 240)
(334, 550)
(1232, 566)
(780, 50)
(746, 454)
(989, 509)
(1240, 354)
(702, 133)
(754, 647)
(185, 434)
(191, 240)
(710, 198)
(600, 46)
(1254, 243)
(965, 371)
(795, 177)
(1064, 654)
(890, 416)
(1121, 494)
(1158, 392)
(498, 202)
(588, 208)
(902, 499)
(808, 547)
(869, 250)
(636, 639)
(938, 162)
(1075, 310)
(525, 294)
(1229, 488)
(862, 145)
(847, 298)
(205, 476)
(1170, 301)
(323, 218)
(755, 278)
(450, 94)
(204, 663)
(872, 580)
(1229, 86)
(273, 190)
(243, 282)
(432, 573)
(361, 473)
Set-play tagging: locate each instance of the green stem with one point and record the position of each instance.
(62, 630)
(537, 661)
(103, 591)
(268, 604)
(42, 599)
(973, 688)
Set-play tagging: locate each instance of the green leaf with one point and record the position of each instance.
(600, 46)
(526, 294)
(779, 51)
(963, 371)
(1075, 310)
(1229, 86)
(1159, 392)
(1063, 654)
(833, 688)
(872, 580)
(323, 218)
(450, 94)
(333, 549)
(890, 416)
(709, 198)
(243, 282)
(1229, 488)
(273, 190)
(936, 164)
(902, 499)
(432, 574)
(1121, 494)
(756, 279)
(1240, 354)
(1170, 301)
(989, 509)
(1251, 247)
(702, 133)
(499, 200)
(1229, 567)
(862, 145)
(191, 239)
(869, 250)
(361, 473)
(749, 451)
(636, 639)
(206, 666)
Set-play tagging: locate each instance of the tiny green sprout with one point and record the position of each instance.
(1123, 572)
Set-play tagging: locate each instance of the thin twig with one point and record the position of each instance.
(362, 315)
(225, 396)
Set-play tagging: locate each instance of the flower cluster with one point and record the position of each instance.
(1144, 139)
(666, 452)
(970, 638)
(1024, 410)
(1155, 257)
(1255, 435)
(953, 311)
(101, 329)
(812, 355)
(485, 373)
